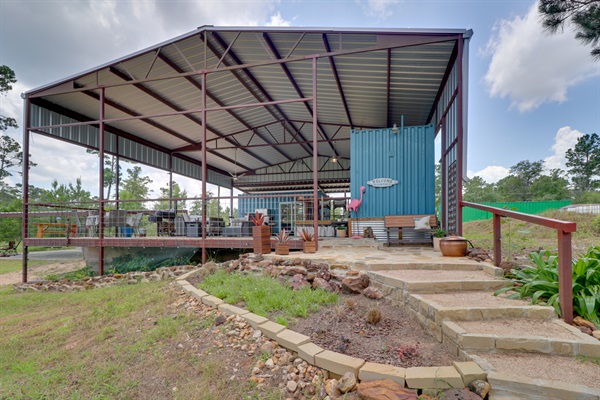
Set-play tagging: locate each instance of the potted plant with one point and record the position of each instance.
(453, 246)
(261, 234)
(282, 248)
(308, 241)
(341, 231)
(438, 234)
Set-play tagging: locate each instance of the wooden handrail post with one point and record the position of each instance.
(565, 275)
(497, 241)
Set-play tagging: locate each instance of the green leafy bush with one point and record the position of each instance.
(141, 263)
(540, 283)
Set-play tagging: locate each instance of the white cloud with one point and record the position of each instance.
(491, 173)
(531, 67)
(94, 32)
(565, 139)
(377, 8)
(277, 20)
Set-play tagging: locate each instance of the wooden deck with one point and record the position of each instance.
(155, 241)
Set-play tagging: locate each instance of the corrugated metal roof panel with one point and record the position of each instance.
(415, 75)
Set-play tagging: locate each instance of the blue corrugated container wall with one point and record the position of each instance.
(406, 156)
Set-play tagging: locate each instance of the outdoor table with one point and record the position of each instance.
(46, 229)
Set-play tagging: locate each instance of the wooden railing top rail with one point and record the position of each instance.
(565, 226)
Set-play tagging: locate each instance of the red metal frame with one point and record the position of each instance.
(565, 267)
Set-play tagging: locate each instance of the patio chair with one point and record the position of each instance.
(115, 219)
(135, 223)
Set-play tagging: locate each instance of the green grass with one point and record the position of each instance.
(520, 238)
(265, 296)
(14, 265)
(118, 342)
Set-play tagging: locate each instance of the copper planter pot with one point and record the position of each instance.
(453, 246)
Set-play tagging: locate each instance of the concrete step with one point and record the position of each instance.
(439, 281)
(545, 336)
(540, 376)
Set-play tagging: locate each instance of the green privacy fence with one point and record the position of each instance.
(527, 207)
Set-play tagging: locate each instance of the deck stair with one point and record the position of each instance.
(527, 352)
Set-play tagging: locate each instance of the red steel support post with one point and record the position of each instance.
(204, 173)
(497, 240)
(25, 221)
(460, 135)
(565, 275)
(315, 157)
(101, 185)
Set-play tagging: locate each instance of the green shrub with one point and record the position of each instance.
(73, 275)
(540, 283)
(140, 263)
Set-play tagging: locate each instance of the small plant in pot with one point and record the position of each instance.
(341, 231)
(438, 234)
(308, 240)
(282, 247)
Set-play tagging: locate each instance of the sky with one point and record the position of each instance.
(531, 95)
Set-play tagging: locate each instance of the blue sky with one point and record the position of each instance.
(530, 95)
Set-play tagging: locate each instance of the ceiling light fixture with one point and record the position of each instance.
(334, 159)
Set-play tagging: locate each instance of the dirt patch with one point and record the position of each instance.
(40, 272)
(396, 340)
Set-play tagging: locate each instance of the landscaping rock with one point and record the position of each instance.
(298, 282)
(291, 271)
(384, 389)
(596, 334)
(584, 322)
(331, 388)
(324, 273)
(372, 293)
(479, 387)
(355, 284)
(320, 283)
(347, 382)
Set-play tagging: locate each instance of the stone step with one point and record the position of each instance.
(440, 281)
(431, 310)
(547, 336)
(540, 376)
(435, 264)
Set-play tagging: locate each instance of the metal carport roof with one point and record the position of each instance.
(259, 113)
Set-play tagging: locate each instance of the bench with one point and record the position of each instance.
(400, 229)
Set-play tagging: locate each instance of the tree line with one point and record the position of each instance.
(133, 188)
(528, 180)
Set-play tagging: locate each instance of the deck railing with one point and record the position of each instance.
(565, 267)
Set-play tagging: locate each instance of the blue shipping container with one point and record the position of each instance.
(406, 159)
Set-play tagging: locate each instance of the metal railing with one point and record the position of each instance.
(564, 230)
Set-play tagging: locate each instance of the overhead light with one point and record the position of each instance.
(334, 159)
(395, 128)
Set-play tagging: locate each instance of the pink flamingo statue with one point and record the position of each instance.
(354, 205)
